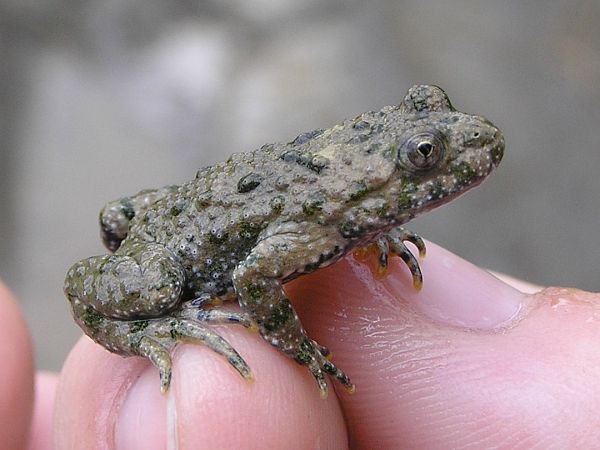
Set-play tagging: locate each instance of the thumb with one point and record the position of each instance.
(467, 362)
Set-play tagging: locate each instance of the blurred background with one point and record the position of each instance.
(101, 99)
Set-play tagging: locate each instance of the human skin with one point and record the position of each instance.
(16, 380)
(468, 362)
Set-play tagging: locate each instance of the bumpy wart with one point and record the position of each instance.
(244, 227)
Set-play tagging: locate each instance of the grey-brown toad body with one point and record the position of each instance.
(242, 228)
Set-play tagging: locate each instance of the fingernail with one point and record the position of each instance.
(456, 292)
(142, 419)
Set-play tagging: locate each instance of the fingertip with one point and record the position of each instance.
(41, 424)
(16, 382)
(92, 387)
(143, 416)
(216, 408)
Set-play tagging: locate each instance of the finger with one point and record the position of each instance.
(91, 389)
(16, 382)
(468, 361)
(41, 424)
(215, 401)
(208, 406)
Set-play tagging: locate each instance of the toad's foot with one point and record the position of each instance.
(316, 358)
(155, 339)
(308, 352)
(392, 243)
(162, 334)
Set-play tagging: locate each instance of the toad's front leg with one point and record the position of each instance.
(288, 249)
(392, 244)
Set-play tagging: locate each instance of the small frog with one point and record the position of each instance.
(243, 228)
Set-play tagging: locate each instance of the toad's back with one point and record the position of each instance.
(212, 222)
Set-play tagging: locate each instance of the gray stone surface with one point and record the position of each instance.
(102, 99)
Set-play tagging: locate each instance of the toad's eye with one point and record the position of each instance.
(422, 151)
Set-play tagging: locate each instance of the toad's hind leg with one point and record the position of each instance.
(144, 281)
(129, 302)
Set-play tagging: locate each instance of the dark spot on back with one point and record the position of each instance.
(313, 203)
(315, 163)
(249, 182)
(305, 137)
(291, 156)
(361, 125)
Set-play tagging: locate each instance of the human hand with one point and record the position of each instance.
(19, 422)
(425, 377)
